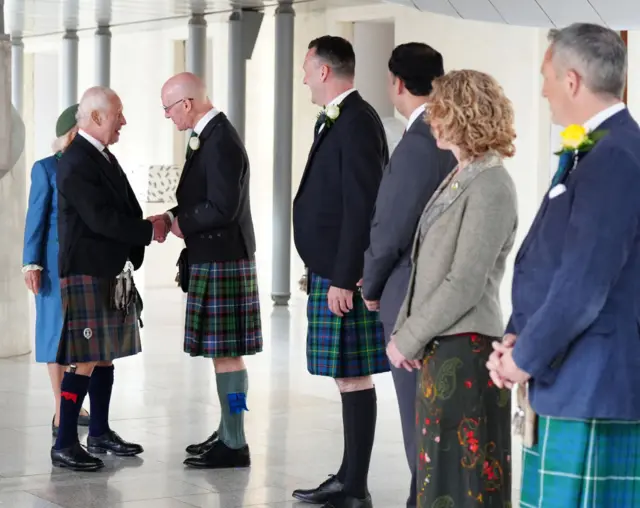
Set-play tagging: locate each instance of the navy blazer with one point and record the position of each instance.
(576, 286)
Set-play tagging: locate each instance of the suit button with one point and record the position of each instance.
(201, 236)
(218, 235)
(210, 237)
(196, 212)
(206, 205)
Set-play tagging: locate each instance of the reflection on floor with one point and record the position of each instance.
(165, 400)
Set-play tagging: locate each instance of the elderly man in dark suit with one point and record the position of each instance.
(416, 169)
(102, 240)
(214, 218)
(331, 221)
(574, 332)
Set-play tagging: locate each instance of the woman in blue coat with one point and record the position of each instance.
(40, 257)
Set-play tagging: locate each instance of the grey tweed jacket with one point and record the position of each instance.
(464, 236)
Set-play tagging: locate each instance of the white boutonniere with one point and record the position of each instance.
(194, 143)
(331, 114)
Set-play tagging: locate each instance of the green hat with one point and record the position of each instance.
(66, 120)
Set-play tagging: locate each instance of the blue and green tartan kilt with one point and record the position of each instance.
(223, 310)
(582, 463)
(92, 330)
(343, 347)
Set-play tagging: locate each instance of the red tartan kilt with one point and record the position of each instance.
(92, 331)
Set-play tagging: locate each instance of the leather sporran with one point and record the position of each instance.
(124, 294)
(525, 421)
(183, 271)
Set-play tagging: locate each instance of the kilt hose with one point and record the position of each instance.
(92, 330)
(343, 347)
(223, 310)
(582, 463)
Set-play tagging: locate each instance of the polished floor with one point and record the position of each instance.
(165, 400)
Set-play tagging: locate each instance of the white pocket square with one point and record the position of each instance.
(557, 191)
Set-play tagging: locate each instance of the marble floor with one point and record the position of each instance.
(165, 400)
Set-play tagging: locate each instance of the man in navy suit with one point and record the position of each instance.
(574, 334)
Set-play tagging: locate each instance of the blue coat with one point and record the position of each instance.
(576, 286)
(41, 248)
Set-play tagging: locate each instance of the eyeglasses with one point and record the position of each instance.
(167, 108)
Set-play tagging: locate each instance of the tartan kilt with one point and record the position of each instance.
(223, 310)
(92, 331)
(343, 347)
(578, 463)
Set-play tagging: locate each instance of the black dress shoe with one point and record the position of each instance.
(342, 500)
(220, 456)
(75, 458)
(83, 420)
(320, 494)
(112, 442)
(200, 448)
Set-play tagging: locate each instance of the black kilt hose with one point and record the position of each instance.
(223, 310)
(92, 330)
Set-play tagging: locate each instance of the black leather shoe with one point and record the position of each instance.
(200, 448)
(112, 442)
(220, 456)
(320, 494)
(344, 501)
(75, 458)
(83, 420)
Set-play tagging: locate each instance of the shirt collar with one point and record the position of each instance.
(99, 146)
(338, 100)
(416, 113)
(595, 121)
(202, 123)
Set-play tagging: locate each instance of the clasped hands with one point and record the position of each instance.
(502, 368)
(162, 225)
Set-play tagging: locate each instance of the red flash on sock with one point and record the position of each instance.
(70, 396)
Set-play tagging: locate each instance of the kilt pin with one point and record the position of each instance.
(93, 331)
(343, 347)
(223, 310)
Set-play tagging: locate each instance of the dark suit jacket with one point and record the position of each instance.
(213, 197)
(100, 222)
(416, 169)
(332, 209)
(576, 286)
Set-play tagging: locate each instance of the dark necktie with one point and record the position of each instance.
(565, 163)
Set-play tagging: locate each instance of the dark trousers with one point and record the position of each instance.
(406, 386)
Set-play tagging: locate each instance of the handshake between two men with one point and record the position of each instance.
(162, 225)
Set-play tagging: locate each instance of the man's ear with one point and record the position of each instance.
(95, 116)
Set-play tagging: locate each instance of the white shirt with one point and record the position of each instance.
(595, 121)
(99, 146)
(414, 116)
(337, 101)
(199, 127)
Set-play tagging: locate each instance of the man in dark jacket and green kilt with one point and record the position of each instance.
(102, 240)
(218, 268)
(331, 220)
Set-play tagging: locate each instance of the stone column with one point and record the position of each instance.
(237, 73)
(17, 71)
(103, 55)
(197, 45)
(14, 303)
(69, 74)
(282, 154)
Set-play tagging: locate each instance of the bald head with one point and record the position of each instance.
(184, 99)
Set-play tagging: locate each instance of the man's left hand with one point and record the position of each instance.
(340, 300)
(372, 305)
(508, 370)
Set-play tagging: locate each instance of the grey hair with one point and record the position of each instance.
(97, 98)
(598, 54)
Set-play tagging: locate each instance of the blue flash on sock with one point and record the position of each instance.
(237, 402)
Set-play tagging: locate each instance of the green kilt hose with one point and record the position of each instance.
(343, 347)
(92, 330)
(582, 463)
(223, 310)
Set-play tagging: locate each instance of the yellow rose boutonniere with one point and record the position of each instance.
(575, 138)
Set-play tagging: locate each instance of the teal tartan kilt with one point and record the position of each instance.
(582, 463)
(223, 310)
(343, 347)
(92, 330)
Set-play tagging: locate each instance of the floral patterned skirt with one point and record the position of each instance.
(463, 425)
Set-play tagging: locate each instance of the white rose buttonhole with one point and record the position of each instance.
(194, 143)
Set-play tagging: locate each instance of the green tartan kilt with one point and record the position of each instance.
(92, 330)
(343, 347)
(223, 310)
(582, 463)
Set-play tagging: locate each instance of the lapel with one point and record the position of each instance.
(618, 120)
(206, 132)
(351, 99)
(452, 187)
